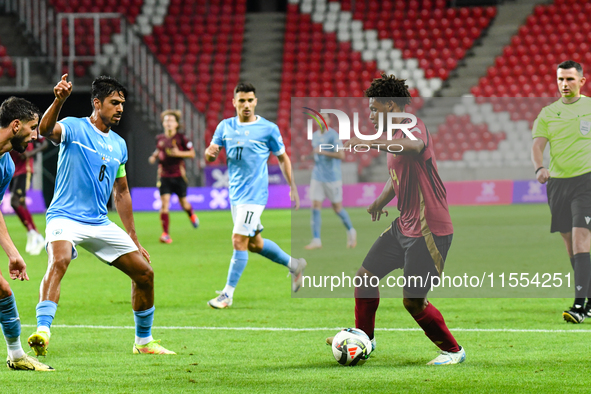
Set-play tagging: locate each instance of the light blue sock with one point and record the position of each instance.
(143, 322)
(11, 324)
(273, 252)
(237, 266)
(316, 222)
(345, 218)
(46, 313)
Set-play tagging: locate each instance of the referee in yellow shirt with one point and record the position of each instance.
(566, 125)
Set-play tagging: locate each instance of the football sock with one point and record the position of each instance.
(165, 219)
(11, 327)
(345, 218)
(315, 222)
(189, 211)
(45, 314)
(25, 217)
(229, 290)
(273, 252)
(237, 266)
(582, 277)
(143, 326)
(572, 262)
(431, 321)
(365, 309)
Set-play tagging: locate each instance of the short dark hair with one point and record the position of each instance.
(104, 86)
(244, 87)
(571, 64)
(17, 108)
(389, 88)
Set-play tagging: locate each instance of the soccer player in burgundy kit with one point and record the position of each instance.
(20, 183)
(417, 241)
(172, 147)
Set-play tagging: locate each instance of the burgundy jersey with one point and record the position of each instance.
(422, 198)
(171, 167)
(23, 166)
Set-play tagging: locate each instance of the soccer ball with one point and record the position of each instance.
(351, 346)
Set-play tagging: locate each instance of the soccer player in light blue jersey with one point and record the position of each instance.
(327, 182)
(18, 126)
(249, 139)
(91, 161)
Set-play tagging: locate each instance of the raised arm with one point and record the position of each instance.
(285, 165)
(125, 211)
(537, 158)
(48, 126)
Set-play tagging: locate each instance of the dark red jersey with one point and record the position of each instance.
(171, 167)
(422, 198)
(21, 165)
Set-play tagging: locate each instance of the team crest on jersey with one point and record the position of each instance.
(246, 133)
(584, 127)
(57, 232)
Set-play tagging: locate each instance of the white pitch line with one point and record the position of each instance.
(305, 329)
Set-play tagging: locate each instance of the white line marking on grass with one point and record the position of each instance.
(304, 329)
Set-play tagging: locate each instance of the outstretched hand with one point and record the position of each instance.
(63, 89)
(376, 211)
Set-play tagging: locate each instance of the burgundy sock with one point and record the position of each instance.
(25, 217)
(165, 219)
(365, 309)
(431, 321)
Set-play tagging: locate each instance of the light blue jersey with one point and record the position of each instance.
(247, 148)
(326, 169)
(86, 169)
(6, 173)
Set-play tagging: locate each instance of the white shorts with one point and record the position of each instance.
(331, 190)
(108, 243)
(247, 219)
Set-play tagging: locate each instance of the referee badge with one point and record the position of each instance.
(585, 127)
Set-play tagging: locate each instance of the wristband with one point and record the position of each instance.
(536, 173)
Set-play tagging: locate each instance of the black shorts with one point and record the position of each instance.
(570, 203)
(20, 184)
(176, 185)
(422, 257)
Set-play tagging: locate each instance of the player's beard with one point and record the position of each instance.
(18, 143)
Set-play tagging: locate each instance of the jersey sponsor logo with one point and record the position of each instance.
(585, 127)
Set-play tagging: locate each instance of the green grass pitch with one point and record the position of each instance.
(512, 345)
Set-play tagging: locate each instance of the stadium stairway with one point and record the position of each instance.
(510, 16)
(262, 54)
(15, 43)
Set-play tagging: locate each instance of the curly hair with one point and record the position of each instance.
(389, 88)
(17, 108)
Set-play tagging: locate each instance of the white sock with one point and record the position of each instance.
(292, 265)
(15, 350)
(143, 341)
(44, 329)
(229, 290)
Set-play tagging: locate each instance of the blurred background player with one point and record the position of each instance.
(417, 241)
(249, 139)
(327, 182)
(91, 164)
(172, 147)
(566, 125)
(18, 126)
(20, 183)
